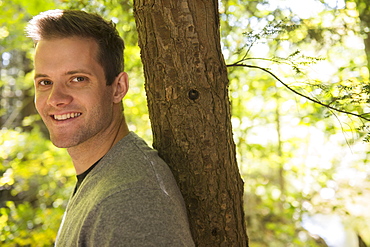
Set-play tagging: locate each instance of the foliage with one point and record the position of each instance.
(32, 171)
(289, 147)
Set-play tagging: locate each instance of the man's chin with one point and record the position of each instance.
(60, 143)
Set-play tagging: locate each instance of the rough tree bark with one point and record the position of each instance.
(187, 91)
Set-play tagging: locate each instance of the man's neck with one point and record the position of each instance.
(89, 152)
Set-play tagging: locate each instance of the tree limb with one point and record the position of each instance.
(362, 116)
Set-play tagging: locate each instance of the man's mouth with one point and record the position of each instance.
(66, 116)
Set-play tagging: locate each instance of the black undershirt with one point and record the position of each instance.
(81, 177)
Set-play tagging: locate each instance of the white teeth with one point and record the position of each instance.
(66, 116)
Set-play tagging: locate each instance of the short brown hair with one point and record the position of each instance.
(71, 23)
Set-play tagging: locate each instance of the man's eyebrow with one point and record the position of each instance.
(40, 75)
(72, 72)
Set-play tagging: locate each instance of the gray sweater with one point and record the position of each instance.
(129, 198)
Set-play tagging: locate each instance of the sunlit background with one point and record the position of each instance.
(305, 166)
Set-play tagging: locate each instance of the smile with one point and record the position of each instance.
(66, 116)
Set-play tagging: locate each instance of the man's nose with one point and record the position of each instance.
(59, 96)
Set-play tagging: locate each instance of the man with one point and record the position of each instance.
(125, 194)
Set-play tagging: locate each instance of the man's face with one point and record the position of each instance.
(71, 92)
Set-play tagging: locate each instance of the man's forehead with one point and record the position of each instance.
(66, 48)
(66, 56)
(74, 41)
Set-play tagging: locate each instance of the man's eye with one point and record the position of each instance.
(79, 79)
(45, 83)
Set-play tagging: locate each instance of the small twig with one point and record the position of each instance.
(238, 64)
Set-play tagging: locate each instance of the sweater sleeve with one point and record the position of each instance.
(136, 217)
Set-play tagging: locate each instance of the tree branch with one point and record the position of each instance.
(238, 64)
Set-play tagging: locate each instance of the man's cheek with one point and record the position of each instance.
(38, 106)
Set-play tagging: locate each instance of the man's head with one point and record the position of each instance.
(78, 89)
(54, 24)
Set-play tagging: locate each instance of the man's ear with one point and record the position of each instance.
(120, 87)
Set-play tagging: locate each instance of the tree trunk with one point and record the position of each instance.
(187, 91)
(363, 9)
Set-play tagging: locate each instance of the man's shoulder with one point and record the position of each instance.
(130, 164)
